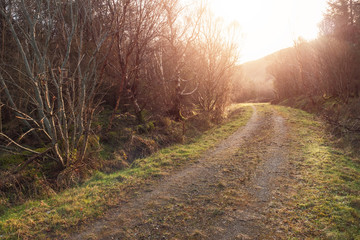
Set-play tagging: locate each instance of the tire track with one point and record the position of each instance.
(193, 203)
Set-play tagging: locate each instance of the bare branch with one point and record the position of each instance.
(18, 145)
(190, 93)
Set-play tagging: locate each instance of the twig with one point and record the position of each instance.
(23, 135)
(18, 145)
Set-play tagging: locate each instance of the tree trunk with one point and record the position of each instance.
(176, 109)
(0, 118)
(118, 98)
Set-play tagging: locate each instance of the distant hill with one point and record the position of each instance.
(252, 82)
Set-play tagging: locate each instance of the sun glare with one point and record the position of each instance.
(270, 25)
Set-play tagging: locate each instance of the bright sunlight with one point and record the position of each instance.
(270, 25)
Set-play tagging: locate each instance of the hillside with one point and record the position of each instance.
(253, 81)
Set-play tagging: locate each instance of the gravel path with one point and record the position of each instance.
(224, 195)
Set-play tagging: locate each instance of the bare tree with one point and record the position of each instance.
(60, 72)
(285, 71)
(219, 54)
(337, 62)
(138, 24)
(180, 32)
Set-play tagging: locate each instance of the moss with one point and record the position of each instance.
(8, 160)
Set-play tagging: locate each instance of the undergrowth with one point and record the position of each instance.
(342, 117)
(69, 209)
(110, 149)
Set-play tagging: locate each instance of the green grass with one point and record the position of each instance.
(67, 210)
(327, 203)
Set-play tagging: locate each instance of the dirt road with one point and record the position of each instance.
(226, 194)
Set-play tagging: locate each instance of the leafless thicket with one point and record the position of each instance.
(326, 70)
(326, 66)
(61, 60)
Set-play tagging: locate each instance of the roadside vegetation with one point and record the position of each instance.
(78, 205)
(325, 196)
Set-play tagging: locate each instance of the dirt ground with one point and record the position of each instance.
(226, 194)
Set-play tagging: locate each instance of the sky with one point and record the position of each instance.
(270, 25)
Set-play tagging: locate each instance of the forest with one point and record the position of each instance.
(82, 78)
(88, 87)
(323, 75)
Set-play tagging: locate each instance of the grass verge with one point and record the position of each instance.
(327, 200)
(49, 218)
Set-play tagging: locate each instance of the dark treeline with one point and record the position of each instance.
(62, 62)
(325, 72)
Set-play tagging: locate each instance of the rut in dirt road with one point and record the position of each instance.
(224, 195)
(249, 222)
